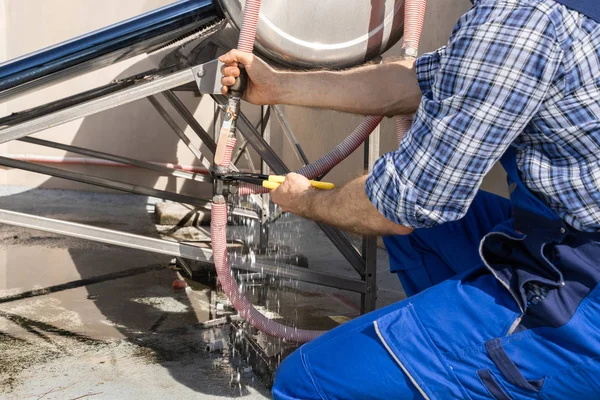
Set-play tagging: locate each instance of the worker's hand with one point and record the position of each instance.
(262, 83)
(291, 194)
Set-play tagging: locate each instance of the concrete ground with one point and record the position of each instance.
(135, 337)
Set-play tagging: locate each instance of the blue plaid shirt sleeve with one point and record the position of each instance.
(427, 66)
(479, 93)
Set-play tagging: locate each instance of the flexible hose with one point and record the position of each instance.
(342, 150)
(218, 234)
(218, 231)
(331, 159)
(414, 16)
(249, 26)
(414, 11)
(218, 225)
(403, 124)
(228, 152)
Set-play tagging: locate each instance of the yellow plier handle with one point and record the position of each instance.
(275, 180)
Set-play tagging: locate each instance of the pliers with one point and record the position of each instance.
(267, 181)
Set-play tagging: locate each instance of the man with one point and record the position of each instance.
(512, 303)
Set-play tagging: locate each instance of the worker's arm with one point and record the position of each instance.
(387, 89)
(480, 93)
(347, 208)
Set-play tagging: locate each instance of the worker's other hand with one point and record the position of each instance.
(291, 194)
(262, 83)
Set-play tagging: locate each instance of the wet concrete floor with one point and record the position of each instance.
(135, 337)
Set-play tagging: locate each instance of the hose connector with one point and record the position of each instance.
(219, 199)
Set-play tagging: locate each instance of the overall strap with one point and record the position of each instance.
(589, 8)
(531, 214)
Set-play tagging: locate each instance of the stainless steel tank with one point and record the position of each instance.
(301, 33)
(323, 33)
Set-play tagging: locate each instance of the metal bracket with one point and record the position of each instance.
(207, 77)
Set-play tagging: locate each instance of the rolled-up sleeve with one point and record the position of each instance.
(427, 67)
(479, 93)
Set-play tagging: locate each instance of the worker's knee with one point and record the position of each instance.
(293, 381)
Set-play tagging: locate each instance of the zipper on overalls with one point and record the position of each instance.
(516, 323)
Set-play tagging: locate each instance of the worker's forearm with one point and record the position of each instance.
(350, 209)
(386, 89)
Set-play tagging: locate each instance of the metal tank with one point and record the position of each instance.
(301, 33)
(323, 33)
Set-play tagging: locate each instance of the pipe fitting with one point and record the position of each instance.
(410, 52)
(219, 199)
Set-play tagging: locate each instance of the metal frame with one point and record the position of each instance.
(171, 248)
(156, 87)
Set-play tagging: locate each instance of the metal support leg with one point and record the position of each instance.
(190, 120)
(264, 227)
(163, 113)
(117, 185)
(369, 243)
(171, 248)
(368, 299)
(287, 130)
(123, 160)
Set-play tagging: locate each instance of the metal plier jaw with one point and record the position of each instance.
(225, 183)
(230, 180)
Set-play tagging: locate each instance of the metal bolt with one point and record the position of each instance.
(200, 72)
(563, 230)
(369, 289)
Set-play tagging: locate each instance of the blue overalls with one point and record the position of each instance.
(519, 321)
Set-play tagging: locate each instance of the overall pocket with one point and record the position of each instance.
(579, 382)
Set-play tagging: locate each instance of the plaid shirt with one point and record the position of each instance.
(520, 72)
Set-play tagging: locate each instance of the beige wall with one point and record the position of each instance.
(3, 56)
(135, 130)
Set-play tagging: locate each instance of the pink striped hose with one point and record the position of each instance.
(249, 26)
(403, 124)
(229, 151)
(414, 16)
(218, 236)
(218, 224)
(218, 231)
(414, 11)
